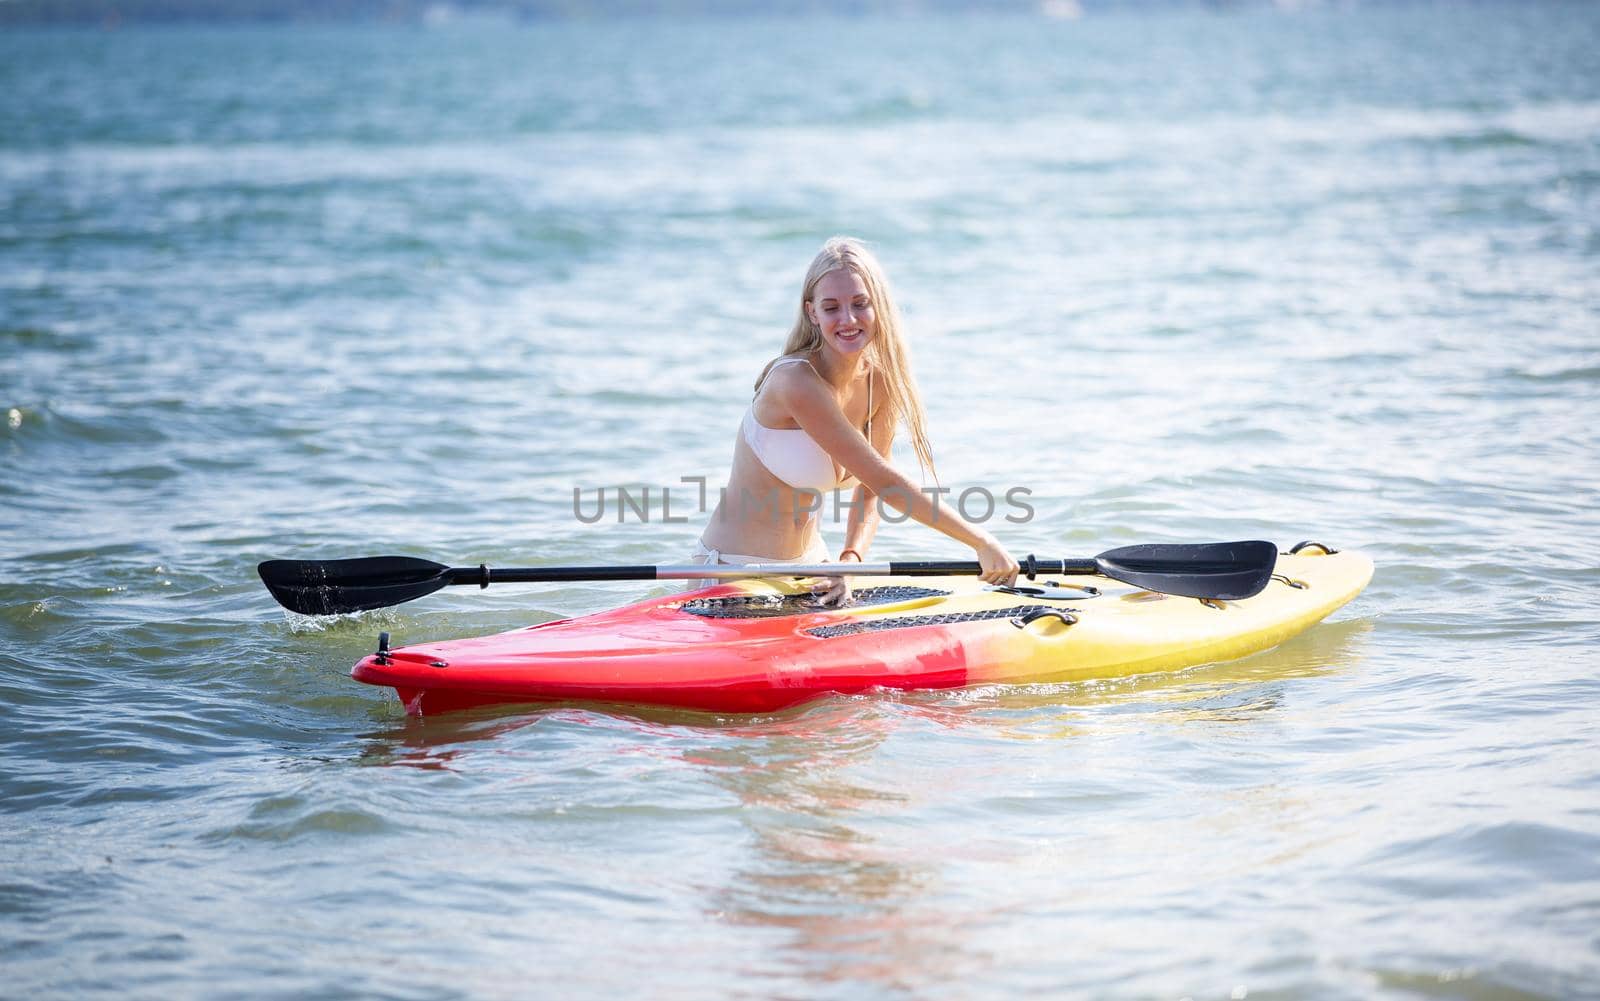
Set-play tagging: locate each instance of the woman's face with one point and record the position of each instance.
(842, 310)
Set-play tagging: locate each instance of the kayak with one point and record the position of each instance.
(761, 645)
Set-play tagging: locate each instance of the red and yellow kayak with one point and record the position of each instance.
(755, 646)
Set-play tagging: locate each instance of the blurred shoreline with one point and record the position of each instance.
(116, 13)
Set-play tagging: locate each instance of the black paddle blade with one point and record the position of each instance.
(1227, 571)
(331, 587)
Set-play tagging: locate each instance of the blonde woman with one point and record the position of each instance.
(823, 419)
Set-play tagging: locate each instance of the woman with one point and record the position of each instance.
(823, 419)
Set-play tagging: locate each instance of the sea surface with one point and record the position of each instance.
(305, 292)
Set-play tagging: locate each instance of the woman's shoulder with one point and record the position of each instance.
(790, 361)
(789, 371)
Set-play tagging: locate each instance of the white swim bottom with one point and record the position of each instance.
(817, 552)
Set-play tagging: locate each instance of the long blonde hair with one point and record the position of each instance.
(887, 353)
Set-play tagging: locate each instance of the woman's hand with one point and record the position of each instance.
(834, 592)
(998, 566)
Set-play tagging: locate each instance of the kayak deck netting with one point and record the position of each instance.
(756, 646)
(767, 606)
(912, 621)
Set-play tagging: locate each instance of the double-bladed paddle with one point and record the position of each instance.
(1222, 570)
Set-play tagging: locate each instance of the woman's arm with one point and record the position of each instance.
(812, 405)
(862, 526)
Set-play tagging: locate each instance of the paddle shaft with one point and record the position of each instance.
(483, 576)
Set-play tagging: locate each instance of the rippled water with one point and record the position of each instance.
(314, 293)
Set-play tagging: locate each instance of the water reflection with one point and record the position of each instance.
(436, 742)
(855, 907)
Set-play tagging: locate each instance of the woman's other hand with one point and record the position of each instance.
(834, 592)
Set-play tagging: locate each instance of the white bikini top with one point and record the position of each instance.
(792, 455)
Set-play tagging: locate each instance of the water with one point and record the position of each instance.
(328, 292)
